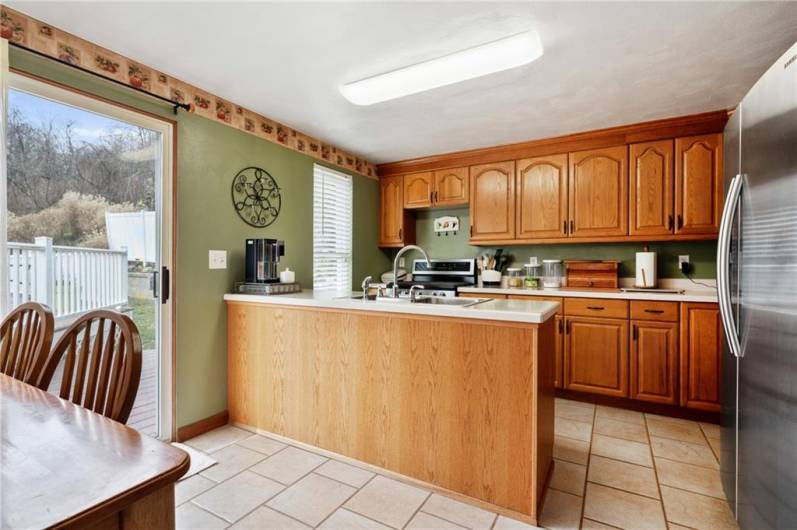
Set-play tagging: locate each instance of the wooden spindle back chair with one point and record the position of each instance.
(102, 364)
(26, 335)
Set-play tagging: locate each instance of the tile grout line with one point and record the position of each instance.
(586, 473)
(285, 486)
(418, 509)
(656, 474)
(339, 506)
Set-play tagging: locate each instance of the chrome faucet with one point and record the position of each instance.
(393, 290)
(365, 286)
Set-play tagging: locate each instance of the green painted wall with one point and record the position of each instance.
(209, 154)
(702, 254)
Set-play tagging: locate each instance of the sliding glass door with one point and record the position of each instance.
(87, 204)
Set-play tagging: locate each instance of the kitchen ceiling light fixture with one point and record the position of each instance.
(496, 56)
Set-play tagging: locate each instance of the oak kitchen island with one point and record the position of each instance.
(457, 397)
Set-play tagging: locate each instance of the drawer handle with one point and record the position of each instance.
(654, 311)
(595, 307)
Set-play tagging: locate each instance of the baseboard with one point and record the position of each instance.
(192, 430)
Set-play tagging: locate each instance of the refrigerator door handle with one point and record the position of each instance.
(723, 250)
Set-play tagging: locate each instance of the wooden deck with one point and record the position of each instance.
(144, 416)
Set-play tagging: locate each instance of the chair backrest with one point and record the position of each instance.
(100, 373)
(26, 335)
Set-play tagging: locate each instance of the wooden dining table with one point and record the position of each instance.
(63, 466)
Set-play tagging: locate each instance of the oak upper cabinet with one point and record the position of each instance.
(651, 188)
(492, 202)
(542, 197)
(654, 360)
(395, 228)
(418, 190)
(451, 187)
(701, 356)
(698, 184)
(599, 192)
(596, 355)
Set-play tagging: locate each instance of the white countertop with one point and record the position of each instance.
(689, 295)
(531, 312)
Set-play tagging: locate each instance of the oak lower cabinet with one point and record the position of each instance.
(492, 202)
(698, 184)
(396, 227)
(701, 356)
(654, 361)
(596, 355)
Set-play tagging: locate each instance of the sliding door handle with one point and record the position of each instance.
(165, 284)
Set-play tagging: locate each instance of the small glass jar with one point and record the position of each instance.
(552, 273)
(533, 274)
(515, 278)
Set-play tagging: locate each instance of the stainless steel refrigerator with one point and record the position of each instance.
(757, 287)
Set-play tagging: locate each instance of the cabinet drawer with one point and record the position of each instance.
(535, 298)
(651, 310)
(596, 307)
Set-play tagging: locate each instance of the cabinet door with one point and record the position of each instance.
(451, 187)
(542, 197)
(418, 190)
(698, 184)
(492, 202)
(701, 356)
(599, 192)
(652, 187)
(391, 212)
(596, 355)
(654, 358)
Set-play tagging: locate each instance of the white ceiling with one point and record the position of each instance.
(605, 64)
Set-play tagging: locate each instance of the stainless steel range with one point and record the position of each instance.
(440, 277)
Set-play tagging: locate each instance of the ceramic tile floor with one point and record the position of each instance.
(614, 469)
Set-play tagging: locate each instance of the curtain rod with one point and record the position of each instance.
(175, 104)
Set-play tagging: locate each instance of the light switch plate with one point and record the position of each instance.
(217, 259)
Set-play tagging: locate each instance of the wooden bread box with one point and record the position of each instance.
(594, 274)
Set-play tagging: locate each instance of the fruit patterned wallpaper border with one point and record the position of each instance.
(53, 42)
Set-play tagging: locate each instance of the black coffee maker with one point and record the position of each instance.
(262, 258)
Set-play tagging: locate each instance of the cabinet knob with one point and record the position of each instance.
(680, 221)
(670, 223)
(572, 226)
(635, 332)
(564, 228)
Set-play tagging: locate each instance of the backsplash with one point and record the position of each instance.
(702, 254)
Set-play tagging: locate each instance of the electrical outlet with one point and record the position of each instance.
(217, 259)
(683, 264)
(401, 262)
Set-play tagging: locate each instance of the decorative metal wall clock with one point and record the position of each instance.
(256, 197)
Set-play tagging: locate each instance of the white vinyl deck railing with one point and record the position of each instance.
(71, 280)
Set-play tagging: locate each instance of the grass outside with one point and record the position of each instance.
(144, 311)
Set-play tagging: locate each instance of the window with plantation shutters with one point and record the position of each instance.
(332, 230)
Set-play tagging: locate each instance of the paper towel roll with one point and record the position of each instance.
(645, 269)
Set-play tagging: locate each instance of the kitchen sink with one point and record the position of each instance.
(435, 300)
(444, 300)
